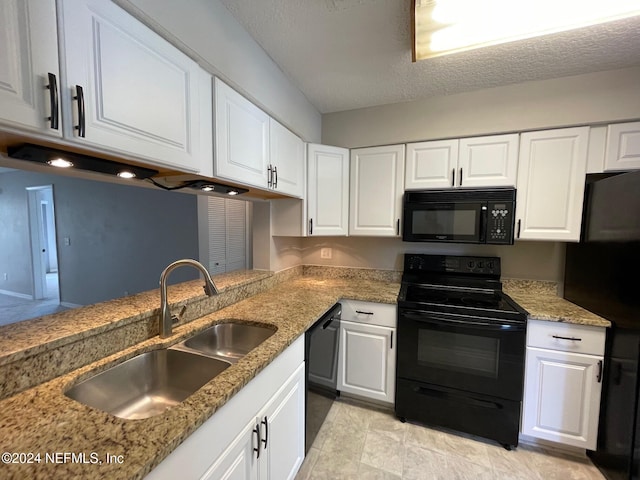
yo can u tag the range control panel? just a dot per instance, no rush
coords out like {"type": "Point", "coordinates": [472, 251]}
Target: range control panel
{"type": "Point", "coordinates": [500, 220]}
{"type": "Point", "coordinates": [416, 262]}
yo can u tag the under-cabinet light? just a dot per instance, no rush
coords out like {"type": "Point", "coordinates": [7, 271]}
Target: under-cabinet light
{"type": "Point", "coordinates": [60, 163]}
{"type": "Point", "coordinates": [60, 158]}
{"type": "Point", "coordinates": [126, 174]}
{"type": "Point", "coordinates": [209, 186]}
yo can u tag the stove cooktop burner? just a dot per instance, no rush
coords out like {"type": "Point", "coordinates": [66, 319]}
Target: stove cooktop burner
{"type": "Point", "coordinates": [492, 300]}
{"type": "Point", "coordinates": [485, 304]}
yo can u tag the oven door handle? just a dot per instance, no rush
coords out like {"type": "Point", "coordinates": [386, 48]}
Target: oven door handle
{"type": "Point", "coordinates": [424, 317]}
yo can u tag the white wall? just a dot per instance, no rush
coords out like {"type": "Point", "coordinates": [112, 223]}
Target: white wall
{"type": "Point", "coordinates": [530, 260]}
{"type": "Point", "coordinates": [207, 32]}
{"type": "Point", "coordinates": [608, 96]}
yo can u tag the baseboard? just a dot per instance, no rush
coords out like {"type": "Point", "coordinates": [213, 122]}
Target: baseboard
{"type": "Point", "coordinates": [549, 445]}
{"type": "Point", "coordinates": [16, 294]}
{"type": "Point", "coordinates": [70, 305]}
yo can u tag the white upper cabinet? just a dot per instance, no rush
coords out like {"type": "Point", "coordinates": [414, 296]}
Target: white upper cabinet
{"type": "Point", "coordinates": [623, 147]}
{"type": "Point", "coordinates": [287, 160]}
{"type": "Point", "coordinates": [328, 190]}
{"type": "Point", "coordinates": [128, 90]}
{"type": "Point", "coordinates": [489, 161]}
{"type": "Point", "coordinates": [431, 164]}
{"type": "Point", "coordinates": [28, 58]}
{"type": "Point", "coordinates": [376, 179]}
{"type": "Point", "coordinates": [551, 176]}
{"type": "Point", "coordinates": [241, 138]}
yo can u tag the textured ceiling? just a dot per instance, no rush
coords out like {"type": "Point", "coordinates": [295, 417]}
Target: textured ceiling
{"type": "Point", "coordinates": [346, 54]}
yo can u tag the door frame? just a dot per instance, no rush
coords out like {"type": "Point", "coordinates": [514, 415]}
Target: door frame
{"type": "Point", "coordinates": [37, 241]}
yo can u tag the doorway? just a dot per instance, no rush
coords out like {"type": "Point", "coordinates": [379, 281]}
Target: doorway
{"type": "Point", "coordinates": [44, 251]}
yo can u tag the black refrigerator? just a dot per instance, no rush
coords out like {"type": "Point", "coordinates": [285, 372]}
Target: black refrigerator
{"type": "Point", "coordinates": [602, 274]}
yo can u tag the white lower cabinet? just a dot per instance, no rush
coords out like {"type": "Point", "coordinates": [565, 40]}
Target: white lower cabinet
{"type": "Point", "coordinates": [238, 462]}
{"type": "Point", "coordinates": [367, 358]}
{"type": "Point", "coordinates": [258, 434]}
{"type": "Point", "coordinates": [563, 383]}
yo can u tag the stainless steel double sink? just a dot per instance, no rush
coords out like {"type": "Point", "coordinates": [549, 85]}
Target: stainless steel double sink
{"type": "Point", "coordinates": [149, 383]}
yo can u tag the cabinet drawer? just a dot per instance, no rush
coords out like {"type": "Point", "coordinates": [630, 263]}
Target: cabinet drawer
{"type": "Point", "coordinates": [566, 337]}
{"type": "Point", "coordinates": [382, 314]}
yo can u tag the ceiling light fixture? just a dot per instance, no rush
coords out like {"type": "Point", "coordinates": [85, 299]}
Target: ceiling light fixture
{"type": "Point", "coordinates": [60, 158]}
{"type": "Point", "coordinates": [442, 27]}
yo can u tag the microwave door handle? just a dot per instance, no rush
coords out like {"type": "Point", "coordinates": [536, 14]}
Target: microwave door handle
{"type": "Point", "coordinates": [483, 222]}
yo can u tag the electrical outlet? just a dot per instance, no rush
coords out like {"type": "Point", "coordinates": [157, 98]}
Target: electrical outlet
{"type": "Point", "coordinates": [6, 276]}
{"type": "Point", "coordinates": [325, 253]}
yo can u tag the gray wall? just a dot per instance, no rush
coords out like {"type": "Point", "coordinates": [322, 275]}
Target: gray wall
{"type": "Point", "coordinates": [610, 96]}
{"type": "Point", "coordinates": [121, 237]}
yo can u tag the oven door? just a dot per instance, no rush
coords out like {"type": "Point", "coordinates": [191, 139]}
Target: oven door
{"type": "Point", "coordinates": [461, 222]}
{"type": "Point", "coordinates": [460, 352]}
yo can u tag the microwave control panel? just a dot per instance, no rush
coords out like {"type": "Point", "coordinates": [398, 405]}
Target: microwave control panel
{"type": "Point", "coordinates": [500, 220]}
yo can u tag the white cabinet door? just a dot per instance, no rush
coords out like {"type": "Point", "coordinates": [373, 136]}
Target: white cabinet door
{"type": "Point", "coordinates": [431, 164]}
{"type": "Point", "coordinates": [490, 161]}
{"type": "Point", "coordinates": [226, 446]}
{"type": "Point", "coordinates": [141, 95]}
{"type": "Point", "coordinates": [328, 190]}
{"type": "Point", "coordinates": [239, 461]}
{"type": "Point", "coordinates": [28, 54]}
{"type": "Point", "coordinates": [282, 424]}
{"type": "Point", "coordinates": [551, 175]}
{"type": "Point", "coordinates": [367, 361]}
{"type": "Point", "coordinates": [562, 397]}
{"type": "Point", "coordinates": [623, 147]}
{"type": "Point", "coordinates": [376, 188]}
{"type": "Point", "coordinates": [242, 138]}
{"type": "Point", "coordinates": [287, 160]}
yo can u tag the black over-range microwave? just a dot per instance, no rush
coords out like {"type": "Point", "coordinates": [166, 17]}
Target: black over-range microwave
{"type": "Point", "coordinates": [461, 215]}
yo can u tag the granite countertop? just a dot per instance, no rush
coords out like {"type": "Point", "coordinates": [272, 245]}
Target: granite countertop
{"type": "Point", "coordinates": [540, 299]}
{"type": "Point", "coordinates": [41, 420]}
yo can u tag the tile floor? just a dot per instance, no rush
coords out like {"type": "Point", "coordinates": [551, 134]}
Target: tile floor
{"type": "Point", "coordinates": [359, 442]}
{"type": "Point", "coordinates": [14, 309]}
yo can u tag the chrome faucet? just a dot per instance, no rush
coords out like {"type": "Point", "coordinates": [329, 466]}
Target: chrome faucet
{"type": "Point", "coordinates": [166, 319]}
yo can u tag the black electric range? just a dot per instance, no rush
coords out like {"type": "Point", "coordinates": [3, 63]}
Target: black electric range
{"type": "Point", "coordinates": [461, 347]}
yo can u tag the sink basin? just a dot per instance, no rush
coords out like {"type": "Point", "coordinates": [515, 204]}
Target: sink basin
{"type": "Point", "coordinates": [228, 341]}
{"type": "Point", "coordinates": [148, 384]}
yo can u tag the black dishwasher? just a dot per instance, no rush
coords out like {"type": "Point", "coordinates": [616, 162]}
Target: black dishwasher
{"type": "Point", "coordinates": [321, 365]}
